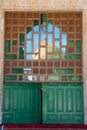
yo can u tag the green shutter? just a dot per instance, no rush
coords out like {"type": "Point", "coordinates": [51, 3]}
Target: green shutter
{"type": "Point", "coordinates": [63, 103]}
{"type": "Point", "coordinates": [21, 103]}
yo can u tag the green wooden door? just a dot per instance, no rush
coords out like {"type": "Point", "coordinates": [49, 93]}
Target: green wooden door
{"type": "Point", "coordinates": [21, 103]}
{"type": "Point", "coordinates": [63, 103]}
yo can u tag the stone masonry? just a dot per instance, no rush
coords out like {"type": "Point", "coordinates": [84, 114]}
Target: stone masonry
{"type": "Point", "coordinates": [45, 5]}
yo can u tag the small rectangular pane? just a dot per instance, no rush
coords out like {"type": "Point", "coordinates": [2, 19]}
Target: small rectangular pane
{"type": "Point", "coordinates": [50, 39]}
{"type": "Point", "coordinates": [18, 70]}
{"type": "Point", "coordinates": [21, 77]}
{"type": "Point", "coordinates": [53, 57]}
{"type": "Point", "coordinates": [78, 46]}
{"type": "Point", "coordinates": [29, 29]}
{"type": "Point", "coordinates": [29, 46]}
{"type": "Point", "coordinates": [64, 55]}
{"type": "Point", "coordinates": [14, 42]}
{"type": "Point", "coordinates": [49, 48]}
{"type": "Point", "coordinates": [50, 26]}
{"type": "Point", "coordinates": [42, 34]}
{"type": "Point", "coordinates": [43, 78]}
{"type": "Point", "coordinates": [21, 53]}
{"type": "Point", "coordinates": [53, 78]}
{"type": "Point", "coordinates": [43, 18]}
{"type": "Point", "coordinates": [71, 42]}
{"type": "Point", "coordinates": [22, 39]}
{"type": "Point", "coordinates": [57, 46]}
{"type": "Point", "coordinates": [64, 39]}
{"type": "Point", "coordinates": [7, 46]}
{"type": "Point", "coordinates": [64, 71]}
{"type": "Point", "coordinates": [56, 32]}
{"type": "Point", "coordinates": [27, 70]}
{"type": "Point", "coordinates": [36, 25]}
{"type": "Point", "coordinates": [75, 78]}
{"type": "Point", "coordinates": [32, 78]}
{"type": "Point", "coordinates": [10, 77]}
{"type": "Point", "coordinates": [74, 57]}
{"type": "Point", "coordinates": [64, 78]}
{"type": "Point", "coordinates": [36, 43]}
{"type": "Point", "coordinates": [42, 53]}
{"type": "Point", "coordinates": [29, 57]}
{"type": "Point", "coordinates": [10, 56]}
{"type": "Point", "coordinates": [29, 33]}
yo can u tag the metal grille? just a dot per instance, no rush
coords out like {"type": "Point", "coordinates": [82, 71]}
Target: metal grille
{"type": "Point", "coordinates": [43, 47]}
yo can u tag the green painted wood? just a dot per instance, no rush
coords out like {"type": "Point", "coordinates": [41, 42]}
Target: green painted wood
{"type": "Point", "coordinates": [21, 103]}
{"type": "Point", "coordinates": [63, 103]}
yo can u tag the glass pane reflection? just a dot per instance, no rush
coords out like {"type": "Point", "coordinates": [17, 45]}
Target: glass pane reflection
{"type": "Point", "coordinates": [64, 39]}
{"type": "Point", "coordinates": [64, 53]}
{"type": "Point", "coordinates": [56, 32]}
{"type": "Point", "coordinates": [57, 46]}
{"type": "Point", "coordinates": [29, 57]}
{"type": "Point", "coordinates": [42, 33]}
{"type": "Point", "coordinates": [43, 78]}
{"type": "Point", "coordinates": [53, 57]}
{"type": "Point", "coordinates": [29, 33]}
{"type": "Point", "coordinates": [29, 46]}
{"type": "Point", "coordinates": [32, 78]}
{"type": "Point", "coordinates": [27, 70]}
{"type": "Point", "coordinates": [36, 43]}
{"type": "Point", "coordinates": [36, 27]}
{"type": "Point", "coordinates": [21, 53]}
{"type": "Point", "coordinates": [50, 39]}
{"type": "Point", "coordinates": [53, 78]}
{"type": "Point", "coordinates": [50, 26]}
{"type": "Point", "coordinates": [42, 53]}
{"type": "Point", "coordinates": [22, 39]}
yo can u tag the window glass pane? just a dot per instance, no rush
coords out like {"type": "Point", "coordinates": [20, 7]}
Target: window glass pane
{"type": "Point", "coordinates": [64, 55]}
{"type": "Point", "coordinates": [42, 78]}
{"type": "Point", "coordinates": [50, 39]}
{"type": "Point", "coordinates": [64, 39]}
{"type": "Point", "coordinates": [27, 70]}
{"type": "Point", "coordinates": [74, 57]}
{"type": "Point", "coordinates": [14, 42]}
{"type": "Point", "coordinates": [21, 53]}
{"type": "Point", "coordinates": [32, 78]}
{"type": "Point", "coordinates": [7, 46]}
{"type": "Point", "coordinates": [36, 26]}
{"type": "Point", "coordinates": [18, 70]}
{"type": "Point", "coordinates": [50, 25]}
{"type": "Point", "coordinates": [49, 48]}
{"type": "Point", "coordinates": [78, 46]}
{"type": "Point", "coordinates": [64, 71]}
{"type": "Point", "coordinates": [71, 42]}
{"type": "Point", "coordinates": [21, 77]}
{"type": "Point", "coordinates": [36, 43]}
{"type": "Point", "coordinates": [53, 57]}
{"type": "Point", "coordinates": [10, 56]}
{"type": "Point", "coordinates": [56, 32]}
{"type": "Point", "coordinates": [53, 78]}
{"type": "Point", "coordinates": [57, 46]}
{"type": "Point", "coordinates": [10, 77]}
{"type": "Point", "coordinates": [29, 46]}
{"type": "Point", "coordinates": [22, 39]}
{"type": "Point", "coordinates": [43, 18]}
{"type": "Point", "coordinates": [29, 57]}
{"type": "Point", "coordinates": [42, 33]}
{"type": "Point", "coordinates": [64, 78]}
{"type": "Point", "coordinates": [75, 78]}
{"type": "Point", "coordinates": [29, 33]}
{"type": "Point", "coordinates": [42, 53]}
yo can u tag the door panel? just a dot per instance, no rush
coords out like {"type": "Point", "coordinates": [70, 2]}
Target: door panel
{"type": "Point", "coordinates": [63, 103]}
{"type": "Point", "coordinates": [21, 103]}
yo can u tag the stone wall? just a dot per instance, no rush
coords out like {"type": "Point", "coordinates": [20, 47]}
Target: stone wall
{"type": "Point", "coordinates": [44, 5]}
